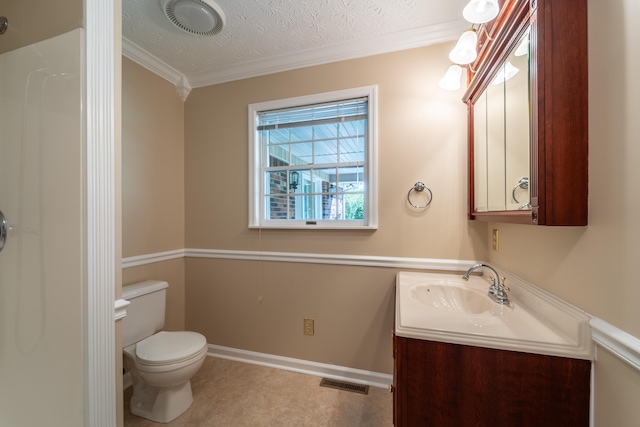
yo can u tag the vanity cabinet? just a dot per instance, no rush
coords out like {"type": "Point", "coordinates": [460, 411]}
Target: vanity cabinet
{"type": "Point", "coordinates": [450, 385]}
{"type": "Point", "coordinates": [552, 188]}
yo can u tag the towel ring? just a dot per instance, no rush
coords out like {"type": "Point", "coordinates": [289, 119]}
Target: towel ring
{"type": "Point", "coordinates": [522, 183]}
{"type": "Point", "coordinates": [419, 187]}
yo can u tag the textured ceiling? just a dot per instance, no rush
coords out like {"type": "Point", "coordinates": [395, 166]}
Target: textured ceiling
{"type": "Point", "coordinates": [262, 36]}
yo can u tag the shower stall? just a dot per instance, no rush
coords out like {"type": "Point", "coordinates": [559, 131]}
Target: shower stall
{"type": "Point", "coordinates": [54, 322]}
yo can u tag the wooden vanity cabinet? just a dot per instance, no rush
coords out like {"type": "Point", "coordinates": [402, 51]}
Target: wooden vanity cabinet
{"type": "Point", "coordinates": [449, 385]}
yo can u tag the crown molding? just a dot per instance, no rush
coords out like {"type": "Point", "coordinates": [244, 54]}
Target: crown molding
{"type": "Point", "coordinates": [401, 40]}
{"type": "Point", "coordinates": [157, 66]}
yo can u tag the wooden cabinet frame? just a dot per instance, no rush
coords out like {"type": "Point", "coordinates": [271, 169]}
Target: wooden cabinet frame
{"type": "Point", "coordinates": [558, 181]}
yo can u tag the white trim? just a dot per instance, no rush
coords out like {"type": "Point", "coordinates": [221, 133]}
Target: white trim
{"type": "Point", "coordinates": [335, 259]}
{"type": "Point", "coordinates": [137, 260]}
{"type": "Point", "coordinates": [145, 59]}
{"type": "Point", "coordinates": [373, 379]}
{"type": "Point", "coordinates": [617, 341]}
{"type": "Point", "coordinates": [157, 66]}
{"type": "Point", "coordinates": [256, 161]}
{"type": "Point", "coordinates": [120, 309]}
{"type": "Point", "coordinates": [397, 41]}
{"type": "Point", "coordinates": [99, 106]}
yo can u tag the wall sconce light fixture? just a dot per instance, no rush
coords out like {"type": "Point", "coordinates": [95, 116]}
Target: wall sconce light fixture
{"type": "Point", "coordinates": [294, 180]}
{"type": "Point", "coordinates": [481, 11]}
{"type": "Point", "coordinates": [451, 79]}
{"type": "Point", "coordinates": [477, 12]}
{"type": "Point", "coordinates": [465, 50]}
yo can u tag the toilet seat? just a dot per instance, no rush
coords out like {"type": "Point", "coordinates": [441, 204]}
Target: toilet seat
{"type": "Point", "coordinates": [166, 348]}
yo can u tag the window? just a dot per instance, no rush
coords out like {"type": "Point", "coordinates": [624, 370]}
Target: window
{"type": "Point", "coordinates": [313, 161]}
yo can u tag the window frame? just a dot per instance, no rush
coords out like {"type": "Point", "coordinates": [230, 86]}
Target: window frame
{"type": "Point", "coordinates": [256, 170]}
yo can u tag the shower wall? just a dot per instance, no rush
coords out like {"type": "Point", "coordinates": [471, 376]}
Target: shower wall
{"type": "Point", "coordinates": [41, 194]}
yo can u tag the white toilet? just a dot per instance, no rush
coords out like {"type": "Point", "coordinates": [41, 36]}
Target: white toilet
{"type": "Point", "coordinates": [161, 363]}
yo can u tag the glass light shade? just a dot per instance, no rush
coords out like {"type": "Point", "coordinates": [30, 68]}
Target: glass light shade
{"type": "Point", "coordinates": [465, 50]}
{"type": "Point", "coordinates": [451, 79]}
{"type": "Point", "coordinates": [481, 11]}
{"type": "Point", "coordinates": [505, 73]}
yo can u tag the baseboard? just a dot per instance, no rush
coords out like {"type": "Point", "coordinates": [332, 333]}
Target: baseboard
{"type": "Point", "coordinates": [373, 379]}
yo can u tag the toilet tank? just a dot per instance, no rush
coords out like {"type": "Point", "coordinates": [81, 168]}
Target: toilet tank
{"type": "Point", "coordinates": [145, 314]}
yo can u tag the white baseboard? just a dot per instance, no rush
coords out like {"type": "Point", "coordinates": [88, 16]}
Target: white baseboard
{"type": "Point", "coordinates": [373, 379]}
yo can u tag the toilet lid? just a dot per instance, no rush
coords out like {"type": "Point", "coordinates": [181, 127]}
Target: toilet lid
{"type": "Point", "coordinates": [169, 347]}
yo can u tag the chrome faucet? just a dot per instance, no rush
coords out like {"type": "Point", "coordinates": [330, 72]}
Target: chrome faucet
{"type": "Point", "coordinates": [497, 290]}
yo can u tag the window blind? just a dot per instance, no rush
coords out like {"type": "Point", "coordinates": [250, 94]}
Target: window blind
{"type": "Point", "coordinates": [310, 115]}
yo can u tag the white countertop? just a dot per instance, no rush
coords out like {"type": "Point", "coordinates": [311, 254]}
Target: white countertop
{"type": "Point", "coordinates": [536, 322]}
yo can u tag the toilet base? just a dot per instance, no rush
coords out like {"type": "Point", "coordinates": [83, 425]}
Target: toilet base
{"type": "Point", "coordinates": [161, 405]}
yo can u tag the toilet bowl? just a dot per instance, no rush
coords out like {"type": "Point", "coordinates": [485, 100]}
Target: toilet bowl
{"type": "Point", "coordinates": [160, 363]}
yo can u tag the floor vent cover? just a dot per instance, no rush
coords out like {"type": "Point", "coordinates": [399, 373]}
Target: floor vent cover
{"type": "Point", "coordinates": [342, 385]}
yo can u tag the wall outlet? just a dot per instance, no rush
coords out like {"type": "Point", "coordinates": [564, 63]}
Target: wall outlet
{"type": "Point", "coordinates": [496, 240]}
{"type": "Point", "coordinates": [308, 326]}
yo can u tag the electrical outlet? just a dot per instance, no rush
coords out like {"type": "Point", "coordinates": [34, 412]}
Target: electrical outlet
{"type": "Point", "coordinates": [308, 326]}
{"type": "Point", "coordinates": [496, 240]}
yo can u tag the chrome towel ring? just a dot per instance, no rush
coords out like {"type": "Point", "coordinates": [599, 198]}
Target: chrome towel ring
{"type": "Point", "coordinates": [419, 187]}
{"type": "Point", "coordinates": [522, 183]}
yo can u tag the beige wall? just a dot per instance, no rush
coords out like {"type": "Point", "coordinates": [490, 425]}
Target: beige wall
{"type": "Point", "coordinates": [152, 163]}
{"type": "Point", "coordinates": [420, 139]}
{"type": "Point", "coordinates": [260, 306]}
{"type": "Point", "coordinates": [153, 181]}
{"type": "Point", "coordinates": [36, 20]}
{"type": "Point", "coordinates": [595, 268]}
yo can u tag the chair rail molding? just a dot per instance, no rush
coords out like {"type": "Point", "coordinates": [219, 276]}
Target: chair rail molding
{"type": "Point", "coordinates": [622, 344]}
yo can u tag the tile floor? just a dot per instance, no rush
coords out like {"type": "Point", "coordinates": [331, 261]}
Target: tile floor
{"type": "Point", "coordinates": [234, 394]}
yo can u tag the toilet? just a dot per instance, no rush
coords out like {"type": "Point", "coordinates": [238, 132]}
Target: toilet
{"type": "Point", "coordinates": [160, 363]}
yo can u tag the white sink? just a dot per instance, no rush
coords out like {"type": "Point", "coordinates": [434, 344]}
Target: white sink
{"type": "Point", "coordinates": [451, 297]}
{"type": "Point", "coordinates": [446, 308]}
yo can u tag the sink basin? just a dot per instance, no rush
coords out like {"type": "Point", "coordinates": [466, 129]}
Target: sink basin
{"type": "Point", "coordinates": [451, 298]}
{"type": "Point", "coordinates": [446, 308]}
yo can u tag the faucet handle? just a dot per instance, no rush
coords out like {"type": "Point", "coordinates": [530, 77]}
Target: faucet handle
{"type": "Point", "coordinates": [504, 287]}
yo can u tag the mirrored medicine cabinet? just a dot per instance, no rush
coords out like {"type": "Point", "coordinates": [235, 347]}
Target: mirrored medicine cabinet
{"type": "Point", "coordinates": [527, 115]}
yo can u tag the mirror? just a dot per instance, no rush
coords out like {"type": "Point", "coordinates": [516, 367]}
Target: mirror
{"type": "Point", "coordinates": [502, 130]}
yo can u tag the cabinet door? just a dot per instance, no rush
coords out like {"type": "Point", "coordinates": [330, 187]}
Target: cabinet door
{"type": "Point", "coordinates": [450, 385]}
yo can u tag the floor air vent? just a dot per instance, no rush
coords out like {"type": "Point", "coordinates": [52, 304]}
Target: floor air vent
{"type": "Point", "coordinates": [342, 385]}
